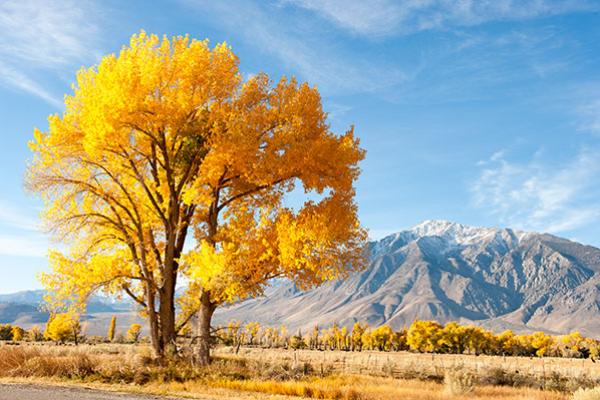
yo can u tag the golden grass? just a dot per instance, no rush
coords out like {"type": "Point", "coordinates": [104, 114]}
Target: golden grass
{"type": "Point", "coordinates": [519, 371]}
{"type": "Point", "coordinates": [277, 375]}
{"type": "Point", "coordinates": [587, 394]}
{"type": "Point", "coordinates": [358, 387]}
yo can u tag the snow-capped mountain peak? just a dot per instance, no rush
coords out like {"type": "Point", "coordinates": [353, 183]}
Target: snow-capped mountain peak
{"type": "Point", "coordinates": [453, 232]}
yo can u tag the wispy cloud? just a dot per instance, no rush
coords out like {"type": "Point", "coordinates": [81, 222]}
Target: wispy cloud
{"type": "Point", "coordinates": [539, 196]}
{"type": "Point", "coordinates": [38, 36]}
{"type": "Point", "coordinates": [485, 65]}
{"type": "Point", "coordinates": [20, 232]}
{"type": "Point", "coordinates": [18, 80]}
{"type": "Point", "coordinates": [299, 44]}
{"type": "Point", "coordinates": [14, 217]}
{"type": "Point", "coordinates": [23, 246]}
{"type": "Point", "coordinates": [589, 116]}
{"type": "Point", "coordinates": [391, 17]}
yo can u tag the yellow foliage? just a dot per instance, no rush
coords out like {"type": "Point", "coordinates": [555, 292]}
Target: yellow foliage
{"type": "Point", "coordinates": [541, 343]}
{"type": "Point", "coordinates": [164, 141]}
{"type": "Point", "coordinates": [62, 327]}
{"type": "Point", "coordinates": [18, 333]}
{"type": "Point", "coordinates": [252, 328]}
{"type": "Point", "coordinates": [111, 328]}
{"type": "Point", "coordinates": [423, 336]}
{"type": "Point", "coordinates": [133, 333]}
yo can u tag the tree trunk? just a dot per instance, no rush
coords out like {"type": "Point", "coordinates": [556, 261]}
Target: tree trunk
{"type": "Point", "coordinates": [155, 337]}
{"type": "Point", "coordinates": [167, 317]}
{"type": "Point", "coordinates": [207, 308]}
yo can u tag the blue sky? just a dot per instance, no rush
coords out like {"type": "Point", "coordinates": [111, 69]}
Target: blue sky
{"type": "Point", "coordinates": [484, 112]}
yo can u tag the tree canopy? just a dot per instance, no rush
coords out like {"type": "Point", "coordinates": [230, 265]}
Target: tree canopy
{"type": "Point", "coordinates": [167, 163]}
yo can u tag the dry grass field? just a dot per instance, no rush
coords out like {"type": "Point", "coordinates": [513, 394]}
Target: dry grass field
{"type": "Point", "coordinates": [255, 373]}
{"type": "Point", "coordinates": [406, 364]}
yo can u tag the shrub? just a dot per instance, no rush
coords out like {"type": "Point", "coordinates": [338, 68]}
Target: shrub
{"type": "Point", "coordinates": [458, 383]}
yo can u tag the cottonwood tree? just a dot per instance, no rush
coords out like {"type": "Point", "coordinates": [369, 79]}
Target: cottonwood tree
{"type": "Point", "coordinates": [166, 141]}
{"type": "Point", "coordinates": [134, 332]}
{"type": "Point", "coordinates": [62, 327]}
{"type": "Point", "coordinates": [112, 326]}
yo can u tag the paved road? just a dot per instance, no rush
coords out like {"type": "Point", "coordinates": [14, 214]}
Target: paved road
{"type": "Point", "coordinates": [37, 392]}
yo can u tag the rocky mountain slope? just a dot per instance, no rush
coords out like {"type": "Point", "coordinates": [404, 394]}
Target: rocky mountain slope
{"type": "Point", "coordinates": [498, 278]}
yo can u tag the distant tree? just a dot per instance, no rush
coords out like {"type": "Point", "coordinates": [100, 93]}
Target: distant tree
{"type": "Point", "coordinates": [314, 337]}
{"type": "Point", "coordinates": [356, 336]}
{"type": "Point", "coordinates": [572, 345]}
{"type": "Point", "coordinates": [344, 345]}
{"type": "Point", "coordinates": [111, 328]}
{"type": "Point", "coordinates": [6, 332]}
{"type": "Point", "coordinates": [252, 329]}
{"type": "Point", "coordinates": [284, 336]}
{"type": "Point", "coordinates": [63, 327]}
{"type": "Point", "coordinates": [133, 333]}
{"type": "Point", "coordinates": [399, 341]}
{"type": "Point", "coordinates": [297, 341]}
{"type": "Point", "coordinates": [423, 336]}
{"type": "Point", "coordinates": [478, 340]}
{"type": "Point", "coordinates": [542, 343]}
{"type": "Point", "coordinates": [233, 333]}
{"type": "Point", "coordinates": [18, 333]}
{"type": "Point", "coordinates": [382, 338]}
{"type": "Point", "coordinates": [35, 334]}
{"type": "Point", "coordinates": [507, 343]}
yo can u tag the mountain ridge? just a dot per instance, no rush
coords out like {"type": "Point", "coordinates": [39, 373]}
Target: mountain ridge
{"type": "Point", "coordinates": [441, 270]}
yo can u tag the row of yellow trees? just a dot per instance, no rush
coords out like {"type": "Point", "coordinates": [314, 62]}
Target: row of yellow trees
{"type": "Point", "coordinates": [420, 336]}
{"type": "Point", "coordinates": [62, 328]}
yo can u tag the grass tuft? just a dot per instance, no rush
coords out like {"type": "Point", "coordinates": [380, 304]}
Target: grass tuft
{"type": "Point", "coordinates": [587, 394]}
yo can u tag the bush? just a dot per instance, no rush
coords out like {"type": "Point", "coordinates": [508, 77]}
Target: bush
{"type": "Point", "coordinates": [458, 383]}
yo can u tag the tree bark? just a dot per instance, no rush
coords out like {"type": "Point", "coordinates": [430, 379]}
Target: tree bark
{"type": "Point", "coordinates": [167, 316]}
{"type": "Point", "coordinates": [155, 337]}
{"type": "Point", "coordinates": [207, 308]}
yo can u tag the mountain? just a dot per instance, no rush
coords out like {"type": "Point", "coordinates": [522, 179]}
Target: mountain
{"type": "Point", "coordinates": [21, 314]}
{"type": "Point", "coordinates": [497, 278]}
{"type": "Point", "coordinates": [30, 297]}
{"type": "Point", "coordinates": [25, 309]}
{"type": "Point", "coordinates": [96, 303]}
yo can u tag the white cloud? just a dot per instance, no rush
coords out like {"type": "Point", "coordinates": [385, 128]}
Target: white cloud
{"type": "Point", "coordinates": [13, 217]}
{"type": "Point", "coordinates": [43, 35]}
{"type": "Point", "coordinates": [23, 246]}
{"type": "Point", "coordinates": [20, 81]}
{"type": "Point", "coordinates": [589, 116]}
{"type": "Point", "coordinates": [300, 44]}
{"type": "Point", "coordinates": [536, 196]}
{"type": "Point", "coordinates": [20, 232]}
{"type": "Point", "coordinates": [389, 17]}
